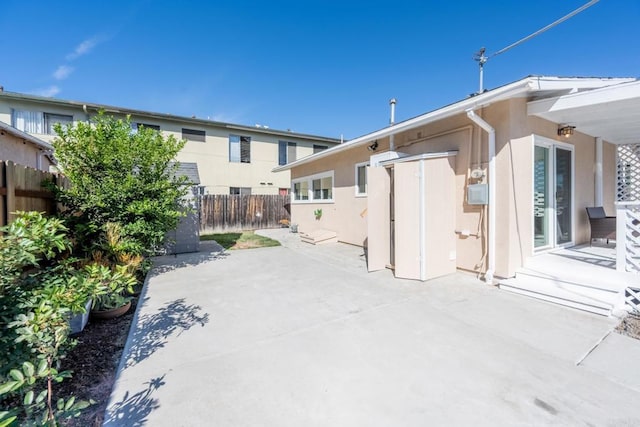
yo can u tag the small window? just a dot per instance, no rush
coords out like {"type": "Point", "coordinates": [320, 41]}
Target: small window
{"type": "Point", "coordinates": [361, 179]}
{"type": "Point", "coordinates": [318, 148]}
{"type": "Point", "coordinates": [301, 190]}
{"type": "Point", "coordinates": [194, 135]}
{"type": "Point", "coordinates": [50, 121]}
{"type": "Point", "coordinates": [323, 188]}
{"type": "Point", "coordinates": [137, 126]}
{"type": "Point", "coordinates": [286, 152]}
{"type": "Point", "coordinates": [239, 149]}
{"type": "Point", "coordinates": [240, 191]}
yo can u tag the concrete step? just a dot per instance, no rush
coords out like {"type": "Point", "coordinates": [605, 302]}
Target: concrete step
{"type": "Point", "coordinates": [317, 237]}
{"type": "Point", "coordinates": [580, 268]}
{"type": "Point", "coordinates": [567, 294]}
{"type": "Point", "coordinates": [589, 284]}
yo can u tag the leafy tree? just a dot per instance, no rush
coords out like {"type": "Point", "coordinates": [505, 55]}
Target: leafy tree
{"type": "Point", "coordinates": [122, 176]}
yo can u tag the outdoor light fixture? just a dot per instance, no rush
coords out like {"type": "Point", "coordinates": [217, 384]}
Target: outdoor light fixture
{"type": "Point", "coordinates": [566, 131]}
{"type": "Point", "coordinates": [373, 146]}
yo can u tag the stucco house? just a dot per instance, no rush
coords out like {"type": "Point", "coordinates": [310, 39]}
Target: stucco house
{"type": "Point", "coordinates": [488, 185]}
{"type": "Point", "coordinates": [230, 158]}
{"type": "Point", "coordinates": [25, 149]}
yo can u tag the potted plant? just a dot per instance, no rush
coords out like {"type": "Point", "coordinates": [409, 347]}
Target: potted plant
{"type": "Point", "coordinates": [113, 290]}
{"type": "Point", "coordinates": [318, 214]}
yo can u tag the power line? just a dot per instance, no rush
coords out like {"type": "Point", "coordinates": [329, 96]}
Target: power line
{"type": "Point", "coordinates": [482, 58]}
{"type": "Point", "coordinates": [548, 27]}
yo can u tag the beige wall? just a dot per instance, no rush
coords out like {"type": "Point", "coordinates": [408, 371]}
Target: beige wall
{"type": "Point", "coordinates": [217, 174]}
{"type": "Point", "coordinates": [514, 160]}
{"type": "Point", "coordinates": [514, 183]}
{"type": "Point", "coordinates": [22, 152]}
{"type": "Point", "coordinates": [347, 215]}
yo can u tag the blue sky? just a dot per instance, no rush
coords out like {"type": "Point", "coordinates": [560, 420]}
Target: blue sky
{"type": "Point", "coordinates": [319, 67]}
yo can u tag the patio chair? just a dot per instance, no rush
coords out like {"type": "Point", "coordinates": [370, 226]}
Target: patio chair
{"type": "Point", "coordinates": [602, 226]}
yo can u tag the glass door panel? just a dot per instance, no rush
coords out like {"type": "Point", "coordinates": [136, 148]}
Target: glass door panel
{"type": "Point", "coordinates": [541, 197]}
{"type": "Point", "coordinates": [563, 186]}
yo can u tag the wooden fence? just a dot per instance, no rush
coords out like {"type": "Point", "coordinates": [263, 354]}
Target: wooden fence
{"type": "Point", "coordinates": [21, 190]}
{"type": "Point", "coordinates": [223, 213]}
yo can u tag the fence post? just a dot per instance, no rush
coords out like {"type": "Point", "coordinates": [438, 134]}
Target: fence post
{"type": "Point", "coordinates": [10, 185]}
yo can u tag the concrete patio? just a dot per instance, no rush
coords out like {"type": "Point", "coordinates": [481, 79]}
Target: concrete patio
{"type": "Point", "coordinates": [301, 335]}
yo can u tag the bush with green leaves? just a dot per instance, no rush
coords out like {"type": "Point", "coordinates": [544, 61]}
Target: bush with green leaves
{"type": "Point", "coordinates": [40, 287]}
{"type": "Point", "coordinates": [122, 176]}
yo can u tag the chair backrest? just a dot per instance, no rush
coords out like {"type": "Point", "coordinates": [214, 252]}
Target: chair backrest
{"type": "Point", "coordinates": [596, 212]}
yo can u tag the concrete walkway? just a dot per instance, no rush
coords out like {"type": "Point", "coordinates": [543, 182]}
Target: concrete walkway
{"type": "Point", "coordinates": [301, 335]}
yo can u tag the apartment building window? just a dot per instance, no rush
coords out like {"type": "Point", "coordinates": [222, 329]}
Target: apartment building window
{"type": "Point", "coordinates": [361, 179]}
{"type": "Point", "coordinates": [319, 148]}
{"type": "Point", "coordinates": [286, 152]}
{"type": "Point", "coordinates": [316, 188]}
{"type": "Point", "coordinates": [38, 122]}
{"type": "Point", "coordinates": [194, 135]}
{"type": "Point", "coordinates": [136, 126]}
{"type": "Point", "coordinates": [240, 191]}
{"type": "Point", "coordinates": [239, 149]}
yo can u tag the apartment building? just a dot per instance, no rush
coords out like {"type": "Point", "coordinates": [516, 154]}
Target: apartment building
{"type": "Point", "coordinates": [230, 158]}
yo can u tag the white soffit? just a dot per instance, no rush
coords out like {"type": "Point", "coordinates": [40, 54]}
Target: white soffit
{"type": "Point", "coordinates": [612, 113]}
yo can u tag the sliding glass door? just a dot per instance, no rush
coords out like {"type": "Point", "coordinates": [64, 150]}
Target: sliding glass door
{"type": "Point", "coordinates": [553, 176]}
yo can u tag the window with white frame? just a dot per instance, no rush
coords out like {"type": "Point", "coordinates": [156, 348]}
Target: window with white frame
{"type": "Point", "coordinates": [361, 179]}
{"type": "Point", "coordinates": [39, 122]}
{"type": "Point", "coordinates": [239, 149]}
{"type": "Point", "coordinates": [314, 188]}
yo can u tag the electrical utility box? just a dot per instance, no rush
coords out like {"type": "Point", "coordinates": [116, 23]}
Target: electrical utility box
{"type": "Point", "coordinates": [477, 194]}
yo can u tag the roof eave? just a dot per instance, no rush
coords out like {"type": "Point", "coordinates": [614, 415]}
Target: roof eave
{"type": "Point", "coordinates": [517, 88]}
{"type": "Point", "coordinates": [32, 139]}
{"type": "Point", "coordinates": [165, 116]}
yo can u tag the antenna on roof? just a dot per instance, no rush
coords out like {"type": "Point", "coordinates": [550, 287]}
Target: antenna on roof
{"type": "Point", "coordinates": [482, 58]}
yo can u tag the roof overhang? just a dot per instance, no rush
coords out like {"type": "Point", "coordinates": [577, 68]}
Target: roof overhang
{"type": "Point", "coordinates": [528, 87]}
{"type": "Point", "coordinates": [89, 107]}
{"type": "Point", "coordinates": [43, 145]}
{"type": "Point", "coordinates": [612, 113]}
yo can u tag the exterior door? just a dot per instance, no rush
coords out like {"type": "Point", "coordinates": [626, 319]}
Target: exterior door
{"type": "Point", "coordinates": [378, 219]}
{"type": "Point", "coordinates": [553, 188]}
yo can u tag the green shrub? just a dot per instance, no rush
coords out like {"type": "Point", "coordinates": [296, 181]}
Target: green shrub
{"type": "Point", "coordinates": [119, 176]}
{"type": "Point", "coordinates": [40, 286]}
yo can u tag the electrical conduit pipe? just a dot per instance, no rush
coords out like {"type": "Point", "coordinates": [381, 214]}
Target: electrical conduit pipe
{"type": "Point", "coordinates": [491, 132]}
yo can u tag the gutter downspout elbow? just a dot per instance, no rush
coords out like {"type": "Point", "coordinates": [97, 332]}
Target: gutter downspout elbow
{"type": "Point", "coordinates": [491, 132]}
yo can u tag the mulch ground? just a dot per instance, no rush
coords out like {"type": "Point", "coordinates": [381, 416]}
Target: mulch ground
{"type": "Point", "coordinates": [94, 362]}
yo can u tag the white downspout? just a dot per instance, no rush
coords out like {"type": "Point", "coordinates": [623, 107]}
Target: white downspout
{"type": "Point", "coordinates": [598, 199]}
{"type": "Point", "coordinates": [491, 265]}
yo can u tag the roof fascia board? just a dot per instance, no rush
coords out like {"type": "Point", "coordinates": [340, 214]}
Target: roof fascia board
{"type": "Point", "coordinates": [566, 83]}
{"type": "Point", "coordinates": [511, 90]}
{"type": "Point", "coordinates": [602, 95]}
{"type": "Point", "coordinates": [518, 88]}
